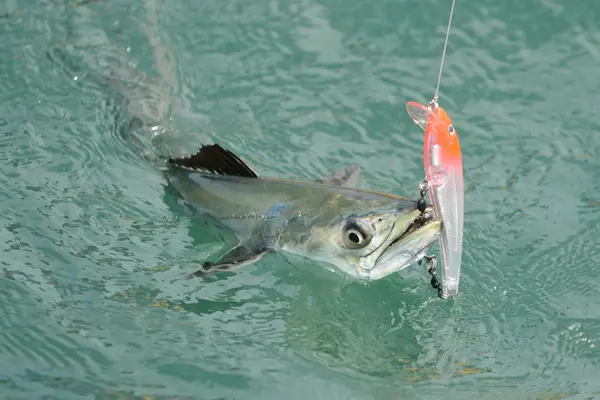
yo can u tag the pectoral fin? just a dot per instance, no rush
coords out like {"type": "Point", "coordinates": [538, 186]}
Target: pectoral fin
{"type": "Point", "coordinates": [347, 177]}
{"type": "Point", "coordinates": [238, 257]}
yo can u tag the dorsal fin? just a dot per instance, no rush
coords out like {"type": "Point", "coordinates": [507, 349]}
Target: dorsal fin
{"type": "Point", "coordinates": [215, 159]}
{"type": "Point", "coordinates": [347, 177]}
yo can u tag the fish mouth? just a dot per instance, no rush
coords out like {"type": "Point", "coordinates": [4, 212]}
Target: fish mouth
{"type": "Point", "coordinates": [421, 221]}
{"type": "Point", "coordinates": [407, 248]}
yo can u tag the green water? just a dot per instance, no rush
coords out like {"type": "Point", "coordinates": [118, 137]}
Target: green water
{"type": "Point", "coordinates": [93, 303]}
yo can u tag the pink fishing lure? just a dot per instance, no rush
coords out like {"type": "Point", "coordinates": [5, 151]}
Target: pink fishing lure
{"type": "Point", "coordinates": [442, 159]}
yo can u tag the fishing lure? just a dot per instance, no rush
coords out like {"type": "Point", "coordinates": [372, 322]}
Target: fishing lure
{"type": "Point", "coordinates": [442, 160]}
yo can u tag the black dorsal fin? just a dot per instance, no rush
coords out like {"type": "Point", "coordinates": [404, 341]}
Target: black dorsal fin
{"type": "Point", "coordinates": [215, 159]}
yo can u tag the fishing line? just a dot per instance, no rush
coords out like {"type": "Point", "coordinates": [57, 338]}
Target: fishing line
{"type": "Point", "coordinates": [437, 89]}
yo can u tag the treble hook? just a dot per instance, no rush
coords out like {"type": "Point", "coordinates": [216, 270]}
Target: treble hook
{"type": "Point", "coordinates": [430, 265]}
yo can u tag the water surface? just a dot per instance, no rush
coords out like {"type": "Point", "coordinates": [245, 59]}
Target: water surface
{"type": "Point", "coordinates": [93, 303]}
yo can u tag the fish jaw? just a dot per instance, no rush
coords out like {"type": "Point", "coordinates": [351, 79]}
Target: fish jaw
{"type": "Point", "coordinates": [405, 249]}
{"type": "Point", "coordinates": [401, 224]}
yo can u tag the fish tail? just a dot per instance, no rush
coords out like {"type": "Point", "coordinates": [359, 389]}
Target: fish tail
{"type": "Point", "coordinates": [138, 106]}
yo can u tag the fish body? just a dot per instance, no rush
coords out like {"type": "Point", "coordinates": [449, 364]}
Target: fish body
{"type": "Point", "coordinates": [361, 234]}
{"type": "Point", "coordinates": [442, 161]}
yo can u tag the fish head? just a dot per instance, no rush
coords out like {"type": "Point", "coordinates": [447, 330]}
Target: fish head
{"type": "Point", "coordinates": [374, 243]}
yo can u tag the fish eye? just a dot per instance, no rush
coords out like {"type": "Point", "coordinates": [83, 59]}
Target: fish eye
{"type": "Point", "coordinates": [451, 129]}
{"type": "Point", "coordinates": [354, 236]}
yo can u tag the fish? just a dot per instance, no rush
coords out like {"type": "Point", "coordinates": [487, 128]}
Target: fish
{"type": "Point", "coordinates": [360, 234]}
{"type": "Point", "coordinates": [357, 233]}
{"type": "Point", "coordinates": [442, 161]}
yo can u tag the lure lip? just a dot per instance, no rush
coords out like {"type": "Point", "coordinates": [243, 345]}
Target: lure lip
{"type": "Point", "coordinates": [419, 113]}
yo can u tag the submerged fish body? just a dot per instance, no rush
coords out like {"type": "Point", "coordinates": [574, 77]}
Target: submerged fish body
{"type": "Point", "coordinates": [361, 234]}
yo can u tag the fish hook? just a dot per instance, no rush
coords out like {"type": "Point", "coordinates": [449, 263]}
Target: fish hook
{"type": "Point", "coordinates": [430, 261]}
{"type": "Point", "coordinates": [430, 265]}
